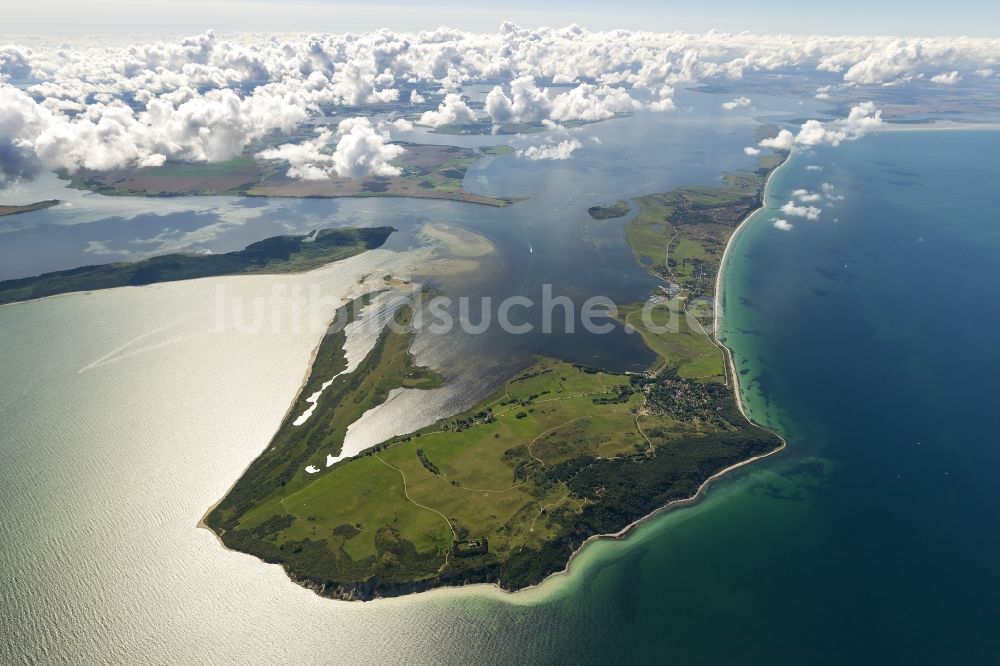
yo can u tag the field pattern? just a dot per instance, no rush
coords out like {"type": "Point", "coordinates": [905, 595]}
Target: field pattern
{"type": "Point", "coordinates": [428, 171]}
{"type": "Point", "coordinates": [502, 493]}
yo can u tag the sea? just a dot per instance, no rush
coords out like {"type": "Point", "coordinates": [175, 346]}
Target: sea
{"type": "Point", "coordinates": [863, 336]}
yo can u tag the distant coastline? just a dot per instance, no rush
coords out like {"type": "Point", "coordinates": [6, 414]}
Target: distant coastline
{"type": "Point", "coordinates": [27, 208]}
{"type": "Point", "coordinates": [278, 254]}
{"type": "Point", "coordinates": [425, 172]}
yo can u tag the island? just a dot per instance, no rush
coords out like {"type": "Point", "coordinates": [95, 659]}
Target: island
{"type": "Point", "coordinates": [426, 172]}
{"type": "Point", "coordinates": [507, 491]}
{"type": "Point", "coordinates": [14, 210]}
{"type": "Point", "coordinates": [278, 254]}
{"type": "Point", "coordinates": [619, 208]}
{"type": "Point", "coordinates": [487, 127]}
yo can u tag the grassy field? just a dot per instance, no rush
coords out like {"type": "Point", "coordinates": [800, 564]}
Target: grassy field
{"type": "Point", "coordinates": [428, 171]}
{"type": "Point", "coordinates": [501, 493]}
{"type": "Point", "coordinates": [506, 491]}
{"type": "Point", "coordinates": [685, 349]}
{"type": "Point", "coordinates": [282, 468]}
{"type": "Point", "coordinates": [279, 254]}
{"type": "Point", "coordinates": [680, 235]}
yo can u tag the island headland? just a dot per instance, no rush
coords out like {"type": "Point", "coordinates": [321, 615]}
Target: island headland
{"type": "Point", "coordinates": [506, 492]}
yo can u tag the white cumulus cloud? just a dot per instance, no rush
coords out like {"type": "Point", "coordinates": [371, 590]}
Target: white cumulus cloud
{"type": "Point", "coordinates": [452, 111]}
{"type": "Point", "coordinates": [551, 151]}
{"type": "Point", "coordinates": [806, 196]}
{"type": "Point", "coordinates": [862, 119]}
{"type": "Point", "coordinates": [529, 103]}
{"type": "Point", "coordinates": [360, 151]}
{"type": "Point", "coordinates": [736, 103]}
{"type": "Point", "coordinates": [808, 212]}
{"type": "Point", "coordinates": [946, 78]}
{"type": "Point", "coordinates": [102, 104]}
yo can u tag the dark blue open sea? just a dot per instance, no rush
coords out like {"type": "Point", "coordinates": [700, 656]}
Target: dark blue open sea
{"type": "Point", "coordinates": [868, 338]}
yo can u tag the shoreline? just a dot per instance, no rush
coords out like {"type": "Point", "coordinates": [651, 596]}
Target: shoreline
{"type": "Point", "coordinates": [940, 126]}
{"type": "Point", "coordinates": [305, 381]}
{"type": "Point", "coordinates": [201, 524]}
{"type": "Point", "coordinates": [718, 300]}
{"type": "Point", "coordinates": [626, 531]}
{"type": "Point", "coordinates": [566, 572]}
{"type": "Point", "coordinates": [477, 199]}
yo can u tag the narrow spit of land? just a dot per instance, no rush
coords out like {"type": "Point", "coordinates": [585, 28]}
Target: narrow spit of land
{"type": "Point", "coordinates": [279, 254]}
{"type": "Point", "coordinates": [27, 208]}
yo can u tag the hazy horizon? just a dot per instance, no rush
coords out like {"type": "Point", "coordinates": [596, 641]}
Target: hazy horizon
{"type": "Point", "coordinates": [852, 17]}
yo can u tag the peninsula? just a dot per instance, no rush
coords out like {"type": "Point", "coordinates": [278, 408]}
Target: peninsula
{"type": "Point", "coordinates": [507, 491]}
{"type": "Point", "coordinates": [38, 205]}
{"type": "Point", "coordinates": [279, 254]}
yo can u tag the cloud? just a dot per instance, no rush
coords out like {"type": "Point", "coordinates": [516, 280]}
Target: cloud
{"type": "Point", "coordinates": [216, 125]}
{"type": "Point", "coordinates": [665, 102]}
{"type": "Point", "coordinates": [828, 193]}
{"type": "Point", "coordinates": [361, 151]}
{"type": "Point", "coordinates": [15, 62]}
{"type": "Point", "coordinates": [784, 140]}
{"type": "Point", "coordinates": [806, 196]}
{"type": "Point", "coordinates": [862, 119]}
{"type": "Point", "coordinates": [893, 59]}
{"type": "Point", "coordinates": [751, 151]}
{"type": "Point", "coordinates": [551, 151]}
{"type": "Point", "coordinates": [589, 102]}
{"type": "Point", "coordinates": [784, 225]}
{"type": "Point", "coordinates": [947, 79]}
{"type": "Point", "coordinates": [452, 111]}
{"type": "Point", "coordinates": [738, 102]}
{"type": "Point", "coordinates": [102, 104]}
{"type": "Point", "coordinates": [367, 65]}
{"type": "Point", "coordinates": [808, 212]}
{"type": "Point", "coordinates": [529, 103]}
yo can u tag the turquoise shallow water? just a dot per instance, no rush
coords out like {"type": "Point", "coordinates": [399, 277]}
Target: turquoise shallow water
{"type": "Point", "coordinates": [865, 337]}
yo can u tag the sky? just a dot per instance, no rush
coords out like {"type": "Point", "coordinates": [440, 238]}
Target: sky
{"type": "Point", "coordinates": [174, 83]}
{"type": "Point", "coordinates": [849, 17]}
